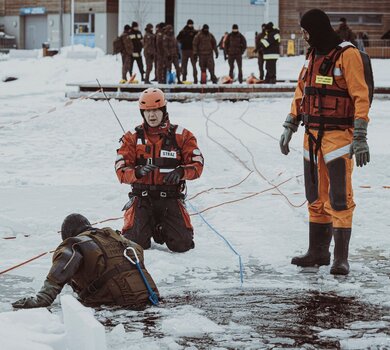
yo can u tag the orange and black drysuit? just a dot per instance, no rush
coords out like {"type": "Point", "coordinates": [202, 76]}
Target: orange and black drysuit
{"type": "Point", "coordinates": [333, 90]}
{"type": "Point", "coordinates": [155, 209]}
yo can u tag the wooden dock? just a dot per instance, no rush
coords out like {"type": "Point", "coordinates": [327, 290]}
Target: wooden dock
{"type": "Point", "coordinates": [191, 92]}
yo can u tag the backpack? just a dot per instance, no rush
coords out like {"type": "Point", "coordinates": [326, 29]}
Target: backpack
{"type": "Point", "coordinates": [118, 46]}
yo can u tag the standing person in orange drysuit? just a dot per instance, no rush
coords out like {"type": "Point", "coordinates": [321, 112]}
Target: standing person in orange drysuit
{"type": "Point", "coordinates": [156, 159]}
{"type": "Point", "coordinates": [332, 99]}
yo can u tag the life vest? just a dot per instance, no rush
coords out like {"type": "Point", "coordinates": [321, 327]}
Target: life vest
{"type": "Point", "coordinates": [326, 104]}
{"type": "Point", "coordinates": [106, 276]}
{"type": "Point", "coordinates": [166, 153]}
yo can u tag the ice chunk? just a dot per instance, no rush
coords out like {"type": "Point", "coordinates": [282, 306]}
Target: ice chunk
{"type": "Point", "coordinates": [84, 332]}
{"type": "Point", "coordinates": [18, 332]}
{"type": "Point", "coordinates": [190, 325]}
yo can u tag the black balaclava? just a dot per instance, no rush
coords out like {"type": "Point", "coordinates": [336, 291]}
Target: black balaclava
{"type": "Point", "coordinates": [73, 225]}
{"type": "Point", "coordinates": [205, 29]}
{"type": "Point", "coordinates": [322, 36]}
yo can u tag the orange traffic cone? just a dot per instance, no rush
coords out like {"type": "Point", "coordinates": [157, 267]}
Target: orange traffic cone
{"type": "Point", "coordinates": [225, 80]}
{"type": "Point", "coordinates": [132, 78]}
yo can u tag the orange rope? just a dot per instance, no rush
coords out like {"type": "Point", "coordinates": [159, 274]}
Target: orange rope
{"type": "Point", "coordinates": [242, 198]}
{"type": "Point", "coordinates": [25, 262]}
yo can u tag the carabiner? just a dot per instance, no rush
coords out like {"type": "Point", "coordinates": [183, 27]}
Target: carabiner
{"type": "Point", "coordinates": [130, 259]}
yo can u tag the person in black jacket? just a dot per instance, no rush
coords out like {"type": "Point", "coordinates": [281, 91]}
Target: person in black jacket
{"type": "Point", "coordinates": [270, 44]}
{"type": "Point", "coordinates": [235, 47]}
{"type": "Point", "coordinates": [259, 50]}
{"type": "Point", "coordinates": [185, 38]}
{"type": "Point", "coordinates": [136, 38]}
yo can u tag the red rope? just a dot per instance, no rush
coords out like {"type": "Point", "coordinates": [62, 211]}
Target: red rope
{"type": "Point", "coordinates": [24, 263]}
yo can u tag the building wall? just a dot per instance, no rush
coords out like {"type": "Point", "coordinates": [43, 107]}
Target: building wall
{"type": "Point", "coordinates": [141, 11]}
{"type": "Point", "coordinates": [14, 26]}
{"type": "Point", "coordinates": [290, 12]}
{"type": "Point", "coordinates": [112, 31]}
{"type": "Point", "coordinates": [53, 23]}
{"type": "Point", "coordinates": [220, 15]}
{"type": "Point", "coordinates": [100, 31]}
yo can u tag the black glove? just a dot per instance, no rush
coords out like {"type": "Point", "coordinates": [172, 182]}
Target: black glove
{"type": "Point", "coordinates": [216, 54]}
{"type": "Point", "coordinates": [174, 177]}
{"type": "Point", "coordinates": [143, 170]}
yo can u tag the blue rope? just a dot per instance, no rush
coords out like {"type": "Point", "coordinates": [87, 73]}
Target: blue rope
{"type": "Point", "coordinates": [152, 295]}
{"type": "Point", "coordinates": [226, 241]}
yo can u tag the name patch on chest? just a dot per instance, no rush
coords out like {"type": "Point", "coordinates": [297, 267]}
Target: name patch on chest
{"type": "Point", "coordinates": [168, 154]}
{"type": "Point", "coordinates": [321, 79]}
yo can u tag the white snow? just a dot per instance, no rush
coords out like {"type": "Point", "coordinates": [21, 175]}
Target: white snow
{"type": "Point", "coordinates": [62, 161]}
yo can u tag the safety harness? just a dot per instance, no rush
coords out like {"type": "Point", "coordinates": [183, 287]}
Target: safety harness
{"type": "Point", "coordinates": [323, 122]}
{"type": "Point", "coordinates": [169, 143]}
{"type": "Point", "coordinates": [99, 283]}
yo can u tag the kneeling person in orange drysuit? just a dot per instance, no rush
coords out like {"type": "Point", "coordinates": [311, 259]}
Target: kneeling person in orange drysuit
{"type": "Point", "coordinates": [156, 159]}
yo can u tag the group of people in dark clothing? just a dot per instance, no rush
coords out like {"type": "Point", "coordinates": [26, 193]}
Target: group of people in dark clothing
{"type": "Point", "coordinates": [163, 50]}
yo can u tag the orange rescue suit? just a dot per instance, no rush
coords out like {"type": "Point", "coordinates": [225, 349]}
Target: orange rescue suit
{"type": "Point", "coordinates": [166, 147]}
{"type": "Point", "coordinates": [328, 104]}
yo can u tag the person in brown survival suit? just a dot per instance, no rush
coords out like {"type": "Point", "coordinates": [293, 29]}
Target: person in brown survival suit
{"type": "Point", "coordinates": [149, 50]}
{"type": "Point", "coordinates": [126, 53]}
{"type": "Point", "coordinates": [345, 33]}
{"type": "Point", "coordinates": [92, 261]}
{"type": "Point", "coordinates": [171, 51]}
{"type": "Point", "coordinates": [204, 45]}
{"type": "Point", "coordinates": [186, 38]}
{"type": "Point", "coordinates": [156, 159]}
{"type": "Point", "coordinates": [235, 47]}
{"type": "Point", "coordinates": [332, 98]}
{"type": "Point", "coordinates": [160, 62]}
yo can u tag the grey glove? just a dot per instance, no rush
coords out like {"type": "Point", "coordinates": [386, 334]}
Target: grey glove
{"type": "Point", "coordinates": [290, 126]}
{"type": "Point", "coordinates": [44, 297]}
{"type": "Point", "coordinates": [359, 145]}
{"type": "Point", "coordinates": [143, 170]}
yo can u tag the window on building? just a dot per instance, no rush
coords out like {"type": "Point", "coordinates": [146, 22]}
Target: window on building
{"type": "Point", "coordinates": [84, 23]}
{"type": "Point", "coordinates": [356, 18]}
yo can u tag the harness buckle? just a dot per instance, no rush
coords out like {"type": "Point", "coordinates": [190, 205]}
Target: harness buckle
{"type": "Point", "coordinates": [163, 194]}
{"type": "Point", "coordinates": [144, 193]}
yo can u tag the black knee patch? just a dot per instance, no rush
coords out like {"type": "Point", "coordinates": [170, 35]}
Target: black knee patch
{"type": "Point", "coordinates": [338, 184]}
{"type": "Point", "coordinates": [311, 186]}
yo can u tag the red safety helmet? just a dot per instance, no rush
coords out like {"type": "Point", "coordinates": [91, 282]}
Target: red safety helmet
{"type": "Point", "coordinates": [151, 98]}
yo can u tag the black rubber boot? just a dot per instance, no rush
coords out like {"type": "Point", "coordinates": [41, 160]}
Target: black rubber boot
{"type": "Point", "coordinates": [340, 264]}
{"type": "Point", "coordinates": [320, 236]}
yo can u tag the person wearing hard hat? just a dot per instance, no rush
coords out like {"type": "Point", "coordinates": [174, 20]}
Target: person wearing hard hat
{"type": "Point", "coordinates": [156, 159]}
{"type": "Point", "coordinates": [99, 264]}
